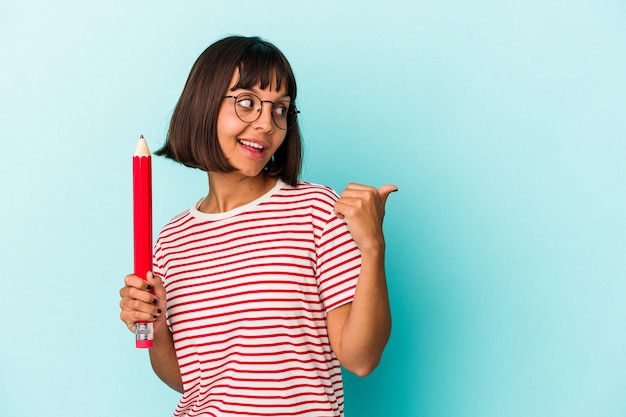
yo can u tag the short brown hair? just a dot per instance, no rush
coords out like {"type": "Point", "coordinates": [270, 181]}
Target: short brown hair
{"type": "Point", "coordinates": [192, 136]}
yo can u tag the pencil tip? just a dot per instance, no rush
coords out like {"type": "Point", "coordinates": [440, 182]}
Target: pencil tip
{"type": "Point", "coordinates": [141, 137]}
{"type": "Point", "coordinates": [142, 148]}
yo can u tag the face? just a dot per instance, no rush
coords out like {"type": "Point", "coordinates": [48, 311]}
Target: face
{"type": "Point", "coordinates": [249, 146]}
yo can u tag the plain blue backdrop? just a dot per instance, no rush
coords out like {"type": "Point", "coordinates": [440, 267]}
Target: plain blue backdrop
{"type": "Point", "coordinates": [502, 122]}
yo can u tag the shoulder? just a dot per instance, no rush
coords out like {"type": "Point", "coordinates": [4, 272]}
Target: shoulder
{"type": "Point", "coordinates": [179, 224]}
{"type": "Point", "coordinates": [306, 195]}
{"type": "Point", "coordinates": [310, 190]}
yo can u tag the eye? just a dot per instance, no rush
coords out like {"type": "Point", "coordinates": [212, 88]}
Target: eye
{"type": "Point", "coordinates": [246, 103]}
{"type": "Point", "coordinates": [281, 108]}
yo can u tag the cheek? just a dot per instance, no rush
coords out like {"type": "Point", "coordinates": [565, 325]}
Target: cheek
{"type": "Point", "coordinates": [280, 139]}
{"type": "Point", "coordinates": [228, 126]}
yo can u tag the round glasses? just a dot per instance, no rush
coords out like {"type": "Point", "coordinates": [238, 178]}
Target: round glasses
{"type": "Point", "coordinates": [248, 108]}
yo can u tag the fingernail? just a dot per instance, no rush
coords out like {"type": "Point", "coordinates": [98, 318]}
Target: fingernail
{"type": "Point", "coordinates": [149, 287]}
{"type": "Point", "coordinates": [155, 301]}
{"type": "Point", "coordinates": [154, 317]}
{"type": "Point", "coordinates": [159, 311]}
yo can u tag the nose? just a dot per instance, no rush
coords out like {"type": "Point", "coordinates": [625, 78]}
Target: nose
{"type": "Point", "coordinates": [265, 120]}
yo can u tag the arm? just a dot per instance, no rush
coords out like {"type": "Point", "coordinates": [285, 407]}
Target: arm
{"type": "Point", "coordinates": [138, 304]}
{"type": "Point", "coordinates": [359, 331]}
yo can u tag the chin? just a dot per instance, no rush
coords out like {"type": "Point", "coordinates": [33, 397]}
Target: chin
{"type": "Point", "coordinates": [250, 172]}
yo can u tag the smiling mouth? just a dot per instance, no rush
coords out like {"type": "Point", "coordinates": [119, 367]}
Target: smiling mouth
{"type": "Point", "coordinates": [251, 145]}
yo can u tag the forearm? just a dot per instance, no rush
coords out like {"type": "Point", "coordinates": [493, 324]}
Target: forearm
{"type": "Point", "coordinates": [163, 357]}
{"type": "Point", "coordinates": [368, 325]}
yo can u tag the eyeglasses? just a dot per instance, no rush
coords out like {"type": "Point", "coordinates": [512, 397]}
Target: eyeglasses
{"type": "Point", "coordinates": [248, 108]}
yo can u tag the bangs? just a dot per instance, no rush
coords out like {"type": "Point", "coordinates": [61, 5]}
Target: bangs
{"type": "Point", "coordinates": [264, 65]}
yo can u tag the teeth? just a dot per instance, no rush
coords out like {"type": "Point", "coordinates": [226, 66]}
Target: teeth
{"type": "Point", "coordinates": [251, 144]}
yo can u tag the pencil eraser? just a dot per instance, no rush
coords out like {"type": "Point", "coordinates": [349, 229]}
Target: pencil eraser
{"type": "Point", "coordinates": [144, 344]}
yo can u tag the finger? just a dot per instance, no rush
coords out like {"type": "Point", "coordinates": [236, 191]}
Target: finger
{"type": "Point", "coordinates": [354, 188]}
{"type": "Point", "coordinates": [143, 296]}
{"type": "Point", "coordinates": [385, 190]}
{"type": "Point", "coordinates": [133, 305]}
{"type": "Point", "coordinates": [131, 325]}
{"type": "Point", "coordinates": [133, 311]}
{"type": "Point", "coordinates": [356, 201]}
{"type": "Point", "coordinates": [134, 281]}
{"type": "Point", "coordinates": [342, 210]}
{"type": "Point", "coordinates": [130, 318]}
{"type": "Point", "coordinates": [154, 282]}
{"type": "Point", "coordinates": [142, 291]}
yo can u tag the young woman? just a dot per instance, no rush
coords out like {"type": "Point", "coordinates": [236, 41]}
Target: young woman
{"type": "Point", "coordinates": [263, 288]}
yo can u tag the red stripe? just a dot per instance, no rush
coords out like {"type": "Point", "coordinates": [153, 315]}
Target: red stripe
{"type": "Point", "coordinates": [242, 329]}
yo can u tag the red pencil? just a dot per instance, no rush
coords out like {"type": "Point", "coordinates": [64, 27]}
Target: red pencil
{"type": "Point", "coordinates": [142, 222]}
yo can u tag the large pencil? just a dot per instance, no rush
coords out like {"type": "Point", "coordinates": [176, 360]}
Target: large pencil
{"type": "Point", "coordinates": [142, 227]}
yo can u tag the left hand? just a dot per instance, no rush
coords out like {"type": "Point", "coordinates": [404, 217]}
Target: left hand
{"type": "Point", "coordinates": [363, 208]}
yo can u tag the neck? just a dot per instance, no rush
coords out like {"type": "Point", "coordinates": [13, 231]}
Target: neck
{"type": "Point", "coordinates": [228, 191]}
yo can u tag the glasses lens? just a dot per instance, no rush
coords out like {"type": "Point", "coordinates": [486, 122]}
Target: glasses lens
{"type": "Point", "coordinates": [281, 114]}
{"type": "Point", "coordinates": [247, 107]}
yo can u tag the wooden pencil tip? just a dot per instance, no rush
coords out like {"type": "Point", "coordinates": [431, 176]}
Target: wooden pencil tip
{"type": "Point", "coordinates": [142, 147]}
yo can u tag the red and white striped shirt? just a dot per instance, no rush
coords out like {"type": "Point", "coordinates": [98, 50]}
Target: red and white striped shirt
{"type": "Point", "coordinates": [247, 295]}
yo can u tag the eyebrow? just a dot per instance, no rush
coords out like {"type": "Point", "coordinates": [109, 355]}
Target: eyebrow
{"type": "Point", "coordinates": [258, 92]}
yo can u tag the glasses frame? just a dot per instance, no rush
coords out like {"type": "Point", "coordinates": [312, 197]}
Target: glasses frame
{"type": "Point", "coordinates": [292, 110]}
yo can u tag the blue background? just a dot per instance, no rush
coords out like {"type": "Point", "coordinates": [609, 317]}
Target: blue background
{"type": "Point", "coordinates": [502, 122]}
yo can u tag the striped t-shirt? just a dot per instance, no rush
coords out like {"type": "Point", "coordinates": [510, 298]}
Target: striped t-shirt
{"type": "Point", "coordinates": [247, 295]}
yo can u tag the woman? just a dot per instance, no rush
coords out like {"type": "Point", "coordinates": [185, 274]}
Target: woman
{"type": "Point", "coordinates": [268, 283]}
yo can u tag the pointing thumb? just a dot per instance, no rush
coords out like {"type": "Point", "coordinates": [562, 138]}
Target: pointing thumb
{"type": "Point", "coordinates": [385, 190]}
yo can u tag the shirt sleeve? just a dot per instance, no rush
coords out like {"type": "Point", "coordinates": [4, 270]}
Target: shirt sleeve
{"type": "Point", "coordinates": [338, 264]}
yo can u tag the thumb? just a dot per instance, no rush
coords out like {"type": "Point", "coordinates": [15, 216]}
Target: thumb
{"type": "Point", "coordinates": [385, 190]}
{"type": "Point", "coordinates": [155, 282]}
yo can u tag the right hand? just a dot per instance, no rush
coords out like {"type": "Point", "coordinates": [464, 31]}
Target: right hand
{"type": "Point", "coordinates": [142, 300]}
